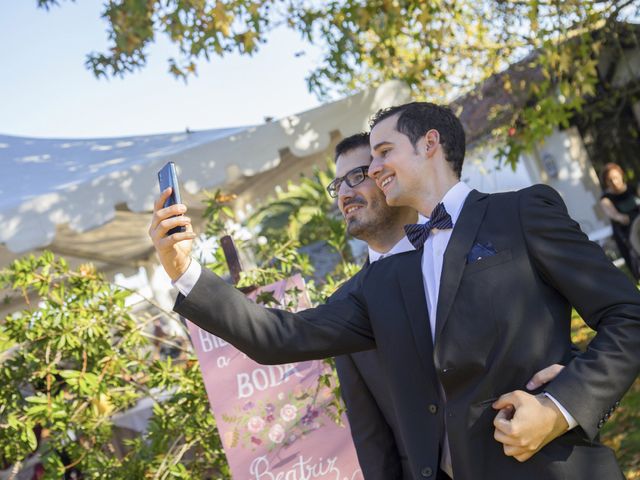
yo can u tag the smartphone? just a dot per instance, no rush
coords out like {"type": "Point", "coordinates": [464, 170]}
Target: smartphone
{"type": "Point", "coordinates": [167, 177]}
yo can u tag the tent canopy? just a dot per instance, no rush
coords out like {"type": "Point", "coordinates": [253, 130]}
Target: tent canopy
{"type": "Point", "coordinates": [57, 192]}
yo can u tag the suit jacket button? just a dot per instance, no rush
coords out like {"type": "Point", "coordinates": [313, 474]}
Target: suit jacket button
{"type": "Point", "coordinates": [433, 409]}
{"type": "Point", "coordinates": [426, 472]}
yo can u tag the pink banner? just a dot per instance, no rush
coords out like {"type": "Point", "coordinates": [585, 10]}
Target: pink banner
{"type": "Point", "coordinates": [275, 420]}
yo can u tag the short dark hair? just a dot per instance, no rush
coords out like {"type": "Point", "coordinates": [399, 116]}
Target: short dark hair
{"type": "Point", "coordinates": [350, 143]}
{"type": "Point", "coordinates": [415, 119]}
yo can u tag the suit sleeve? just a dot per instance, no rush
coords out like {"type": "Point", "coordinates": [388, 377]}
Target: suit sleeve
{"type": "Point", "coordinates": [372, 436]}
{"type": "Point", "coordinates": [592, 384]}
{"type": "Point", "coordinates": [272, 336]}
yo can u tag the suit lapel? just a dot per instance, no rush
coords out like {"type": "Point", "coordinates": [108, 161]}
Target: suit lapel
{"type": "Point", "coordinates": [455, 257]}
{"type": "Point", "coordinates": [409, 276]}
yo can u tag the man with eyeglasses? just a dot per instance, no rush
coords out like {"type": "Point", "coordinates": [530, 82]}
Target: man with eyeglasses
{"type": "Point", "coordinates": [379, 445]}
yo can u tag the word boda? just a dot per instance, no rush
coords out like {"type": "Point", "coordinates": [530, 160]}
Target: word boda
{"type": "Point", "coordinates": [265, 377]}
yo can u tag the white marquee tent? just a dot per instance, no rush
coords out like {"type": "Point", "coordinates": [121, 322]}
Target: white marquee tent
{"type": "Point", "coordinates": [91, 198]}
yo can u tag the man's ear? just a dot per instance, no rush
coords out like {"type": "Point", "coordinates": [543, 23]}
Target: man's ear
{"type": "Point", "coordinates": [432, 140]}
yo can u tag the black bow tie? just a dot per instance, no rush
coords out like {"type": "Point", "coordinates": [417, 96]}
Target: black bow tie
{"type": "Point", "coordinates": [418, 234]}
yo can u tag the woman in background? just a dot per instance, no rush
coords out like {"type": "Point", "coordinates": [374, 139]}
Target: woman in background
{"type": "Point", "coordinates": [621, 204]}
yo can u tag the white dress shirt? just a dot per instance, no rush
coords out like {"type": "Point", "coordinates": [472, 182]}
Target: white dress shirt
{"type": "Point", "coordinates": [434, 248]}
{"type": "Point", "coordinates": [432, 260]}
{"type": "Point", "coordinates": [188, 279]}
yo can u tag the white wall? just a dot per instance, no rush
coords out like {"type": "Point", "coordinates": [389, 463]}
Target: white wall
{"type": "Point", "coordinates": [482, 172]}
{"type": "Point", "coordinates": [576, 180]}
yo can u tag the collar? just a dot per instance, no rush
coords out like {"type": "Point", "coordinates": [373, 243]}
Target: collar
{"type": "Point", "coordinates": [403, 245]}
{"type": "Point", "coordinates": [454, 199]}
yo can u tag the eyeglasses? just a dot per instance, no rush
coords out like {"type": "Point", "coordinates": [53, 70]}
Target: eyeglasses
{"type": "Point", "coordinates": [353, 177]}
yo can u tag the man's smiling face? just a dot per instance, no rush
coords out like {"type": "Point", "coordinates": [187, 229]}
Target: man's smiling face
{"type": "Point", "coordinates": [396, 165]}
{"type": "Point", "coordinates": [363, 206]}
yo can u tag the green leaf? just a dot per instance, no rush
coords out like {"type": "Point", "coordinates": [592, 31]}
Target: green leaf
{"type": "Point", "coordinates": [31, 438]}
{"type": "Point", "coordinates": [40, 399]}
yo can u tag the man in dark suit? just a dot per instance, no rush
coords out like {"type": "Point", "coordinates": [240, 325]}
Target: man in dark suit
{"type": "Point", "coordinates": [462, 343]}
{"type": "Point", "coordinates": [372, 421]}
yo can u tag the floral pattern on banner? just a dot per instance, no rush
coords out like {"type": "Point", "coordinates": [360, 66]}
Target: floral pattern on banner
{"type": "Point", "coordinates": [274, 423]}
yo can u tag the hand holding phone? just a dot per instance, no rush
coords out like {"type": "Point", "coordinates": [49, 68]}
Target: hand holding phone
{"type": "Point", "coordinates": [167, 177]}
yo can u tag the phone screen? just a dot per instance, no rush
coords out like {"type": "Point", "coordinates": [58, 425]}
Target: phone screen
{"type": "Point", "coordinates": [167, 177]}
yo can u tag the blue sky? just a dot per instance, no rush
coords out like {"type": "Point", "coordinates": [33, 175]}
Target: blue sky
{"type": "Point", "coordinates": [45, 90]}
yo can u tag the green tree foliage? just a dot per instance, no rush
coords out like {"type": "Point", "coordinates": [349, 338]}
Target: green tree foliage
{"type": "Point", "coordinates": [440, 48]}
{"type": "Point", "coordinates": [77, 356]}
{"type": "Point", "coordinates": [199, 28]}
